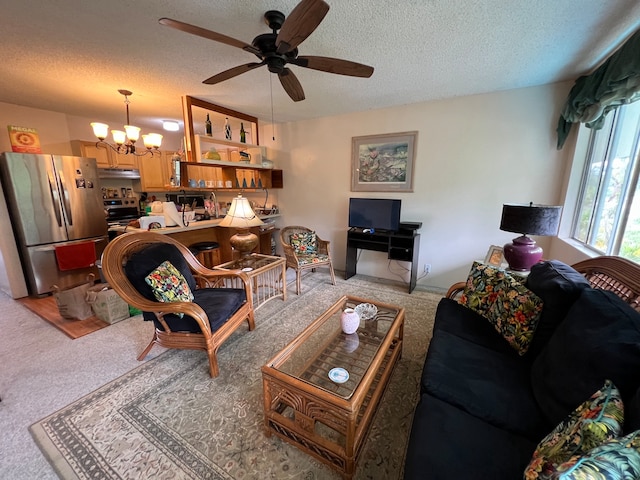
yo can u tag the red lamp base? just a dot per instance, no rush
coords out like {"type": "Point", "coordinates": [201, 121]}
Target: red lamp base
{"type": "Point", "coordinates": [522, 254]}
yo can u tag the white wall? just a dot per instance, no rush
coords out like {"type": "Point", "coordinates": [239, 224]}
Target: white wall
{"type": "Point", "coordinates": [474, 154]}
{"type": "Point", "coordinates": [52, 127]}
{"type": "Point", "coordinates": [55, 130]}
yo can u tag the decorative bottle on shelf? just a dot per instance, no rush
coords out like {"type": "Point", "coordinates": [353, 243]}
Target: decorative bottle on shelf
{"type": "Point", "coordinates": [227, 129]}
{"type": "Point", "coordinates": [207, 126]}
{"type": "Point", "coordinates": [243, 134]}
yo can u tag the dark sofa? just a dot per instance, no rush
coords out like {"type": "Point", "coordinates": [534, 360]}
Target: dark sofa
{"type": "Point", "coordinates": [483, 408]}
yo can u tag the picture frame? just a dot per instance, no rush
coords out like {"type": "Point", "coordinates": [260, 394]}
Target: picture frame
{"type": "Point", "coordinates": [495, 256]}
{"type": "Point", "coordinates": [383, 163]}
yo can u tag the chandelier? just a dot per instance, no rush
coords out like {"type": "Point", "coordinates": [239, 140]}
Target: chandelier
{"type": "Point", "coordinates": [125, 140]}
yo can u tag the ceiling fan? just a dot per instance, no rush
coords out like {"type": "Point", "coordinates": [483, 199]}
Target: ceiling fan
{"type": "Point", "coordinates": [277, 49]}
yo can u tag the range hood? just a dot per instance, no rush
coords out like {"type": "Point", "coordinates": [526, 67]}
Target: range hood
{"type": "Point", "coordinates": [119, 173]}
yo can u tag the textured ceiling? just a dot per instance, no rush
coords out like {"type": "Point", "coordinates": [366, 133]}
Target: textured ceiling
{"type": "Point", "coordinates": [72, 56]}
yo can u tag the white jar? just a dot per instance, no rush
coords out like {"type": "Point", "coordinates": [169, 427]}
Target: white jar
{"type": "Point", "coordinates": [350, 321]}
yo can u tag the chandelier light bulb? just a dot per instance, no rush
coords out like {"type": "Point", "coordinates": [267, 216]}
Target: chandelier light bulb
{"type": "Point", "coordinates": [119, 136]}
{"type": "Point", "coordinates": [133, 133]}
{"type": "Point", "coordinates": [156, 139]}
{"type": "Point", "coordinates": [152, 140]}
{"type": "Point", "coordinates": [100, 130]}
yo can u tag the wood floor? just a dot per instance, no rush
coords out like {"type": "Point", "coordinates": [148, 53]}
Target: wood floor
{"type": "Point", "coordinates": [47, 309]}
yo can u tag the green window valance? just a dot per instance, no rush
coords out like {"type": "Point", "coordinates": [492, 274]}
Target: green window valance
{"type": "Point", "coordinates": [616, 82]}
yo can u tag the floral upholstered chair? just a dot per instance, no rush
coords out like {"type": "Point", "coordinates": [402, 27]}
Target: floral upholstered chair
{"type": "Point", "coordinates": [304, 250]}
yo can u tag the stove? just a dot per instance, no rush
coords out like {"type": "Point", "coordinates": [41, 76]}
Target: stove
{"type": "Point", "coordinates": [120, 211]}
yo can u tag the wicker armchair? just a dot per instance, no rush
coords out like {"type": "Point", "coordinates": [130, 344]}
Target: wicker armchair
{"type": "Point", "coordinates": [203, 324]}
{"type": "Point", "coordinates": [300, 259]}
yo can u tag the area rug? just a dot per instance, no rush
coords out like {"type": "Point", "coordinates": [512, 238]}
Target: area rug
{"type": "Point", "coordinates": [167, 419]}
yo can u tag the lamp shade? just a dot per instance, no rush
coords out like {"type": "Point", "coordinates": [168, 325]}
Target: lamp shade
{"type": "Point", "coordinates": [531, 219]}
{"type": "Point", "coordinates": [240, 214]}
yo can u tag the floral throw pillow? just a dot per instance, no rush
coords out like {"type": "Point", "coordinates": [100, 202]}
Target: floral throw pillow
{"type": "Point", "coordinates": [512, 309]}
{"type": "Point", "coordinates": [480, 291]}
{"type": "Point", "coordinates": [617, 459]}
{"type": "Point", "coordinates": [515, 313]}
{"type": "Point", "coordinates": [304, 242]}
{"type": "Point", "coordinates": [168, 284]}
{"type": "Point", "coordinates": [594, 422]}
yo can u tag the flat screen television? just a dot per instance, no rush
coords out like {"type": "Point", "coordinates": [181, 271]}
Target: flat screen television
{"type": "Point", "coordinates": [375, 213]}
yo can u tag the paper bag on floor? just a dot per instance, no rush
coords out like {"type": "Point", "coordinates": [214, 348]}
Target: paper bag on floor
{"type": "Point", "coordinates": [71, 302]}
{"type": "Point", "coordinates": [107, 304]}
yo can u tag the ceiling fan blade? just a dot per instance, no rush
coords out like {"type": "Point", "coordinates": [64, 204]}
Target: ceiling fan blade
{"type": "Point", "coordinates": [291, 85]}
{"type": "Point", "coordinates": [334, 65]}
{"type": "Point", "coordinates": [203, 32]}
{"type": "Point", "coordinates": [300, 23]}
{"type": "Point", "coordinates": [232, 72]}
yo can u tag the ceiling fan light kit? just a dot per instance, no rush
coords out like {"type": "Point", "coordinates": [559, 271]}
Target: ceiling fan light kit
{"type": "Point", "coordinates": [279, 48]}
{"type": "Point", "coordinates": [125, 140]}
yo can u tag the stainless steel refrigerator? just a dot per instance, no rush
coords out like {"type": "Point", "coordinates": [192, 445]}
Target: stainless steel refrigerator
{"type": "Point", "coordinates": [54, 202]}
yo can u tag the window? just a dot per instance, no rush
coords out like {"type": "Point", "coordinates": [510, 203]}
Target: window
{"type": "Point", "coordinates": [608, 214]}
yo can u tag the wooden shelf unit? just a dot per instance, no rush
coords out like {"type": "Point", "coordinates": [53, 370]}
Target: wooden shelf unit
{"type": "Point", "coordinates": [242, 176]}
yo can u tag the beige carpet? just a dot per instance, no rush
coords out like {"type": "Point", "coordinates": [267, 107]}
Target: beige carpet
{"type": "Point", "coordinates": [169, 419]}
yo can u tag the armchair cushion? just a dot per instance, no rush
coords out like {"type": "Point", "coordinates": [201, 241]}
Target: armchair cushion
{"type": "Point", "coordinates": [218, 303]}
{"type": "Point", "coordinates": [168, 284]}
{"type": "Point", "coordinates": [304, 242]}
{"type": "Point", "coordinates": [218, 306]}
{"type": "Point", "coordinates": [312, 258]}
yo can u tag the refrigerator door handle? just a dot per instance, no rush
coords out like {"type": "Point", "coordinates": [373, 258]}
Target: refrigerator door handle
{"type": "Point", "coordinates": [55, 198]}
{"type": "Point", "coordinates": [65, 198]}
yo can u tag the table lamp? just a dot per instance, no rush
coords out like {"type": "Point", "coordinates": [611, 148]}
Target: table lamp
{"type": "Point", "coordinates": [242, 217]}
{"type": "Point", "coordinates": [531, 219]}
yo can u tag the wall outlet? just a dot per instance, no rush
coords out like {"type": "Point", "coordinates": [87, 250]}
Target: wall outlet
{"type": "Point", "coordinates": [427, 268]}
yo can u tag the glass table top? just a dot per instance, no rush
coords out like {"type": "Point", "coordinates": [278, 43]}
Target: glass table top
{"type": "Point", "coordinates": [324, 356]}
{"type": "Point", "coordinates": [254, 261]}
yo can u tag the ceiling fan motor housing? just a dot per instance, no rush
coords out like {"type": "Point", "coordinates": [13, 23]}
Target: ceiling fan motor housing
{"type": "Point", "coordinates": [274, 19]}
{"type": "Point", "coordinates": [266, 43]}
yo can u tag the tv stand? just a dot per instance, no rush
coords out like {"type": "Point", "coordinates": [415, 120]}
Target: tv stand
{"type": "Point", "coordinates": [402, 245]}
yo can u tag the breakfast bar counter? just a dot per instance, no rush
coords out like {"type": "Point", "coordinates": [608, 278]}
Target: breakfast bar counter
{"type": "Point", "coordinates": [209, 231]}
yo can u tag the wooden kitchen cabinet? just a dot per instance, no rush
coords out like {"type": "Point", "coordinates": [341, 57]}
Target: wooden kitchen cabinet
{"type": "Point", "coordinates": [155, 171]}
{"type": "Point", "coordinates": [119, 160]}
{"type": "Point", "coordinates": [105, 157]}
{"type": "Point", "coordinates": [91, 150]}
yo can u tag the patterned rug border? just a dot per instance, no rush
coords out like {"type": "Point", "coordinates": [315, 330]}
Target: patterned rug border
{"type": "Point", "coordinates": [192, 463]}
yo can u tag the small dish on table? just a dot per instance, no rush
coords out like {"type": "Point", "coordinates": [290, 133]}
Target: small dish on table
{"type": "Point", "coordinates": [366, 311]}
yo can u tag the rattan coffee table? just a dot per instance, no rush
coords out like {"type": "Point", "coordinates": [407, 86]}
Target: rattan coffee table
{"type": "Point", "coordinates": [329, 419]}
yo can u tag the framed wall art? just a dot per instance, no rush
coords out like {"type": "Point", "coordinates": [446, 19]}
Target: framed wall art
{"type": "Point", "coordinates": [383, 163]}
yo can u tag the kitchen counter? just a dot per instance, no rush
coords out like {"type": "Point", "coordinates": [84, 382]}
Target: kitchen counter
{"type": "Point", "coordinates": [208, 231]}
{"type": "Point", "coordinates": [192, 226]}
